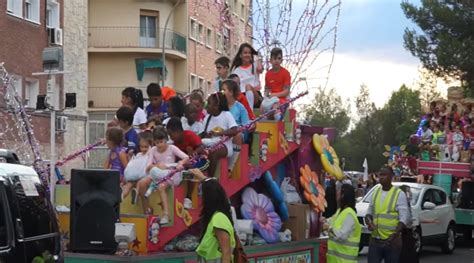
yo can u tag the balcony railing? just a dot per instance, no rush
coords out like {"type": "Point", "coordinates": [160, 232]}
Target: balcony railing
{"type": "Point", "coordinates": [135, 37]}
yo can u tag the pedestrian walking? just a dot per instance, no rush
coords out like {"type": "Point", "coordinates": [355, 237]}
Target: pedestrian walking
{"type": "Point", "coordinates": [408, 253]}
{"type": "Point", "coordinates": [344, 229]}
{"type": "Point", "coordinates": [386, 217]}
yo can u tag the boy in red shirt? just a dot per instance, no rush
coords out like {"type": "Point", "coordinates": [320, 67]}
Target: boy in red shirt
{"type": "Point", "coordinates": [277, 79]}
{"type": "Point", "coordinates": [190, 143]}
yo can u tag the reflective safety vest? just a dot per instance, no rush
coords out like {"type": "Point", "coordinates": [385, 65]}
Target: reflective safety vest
{"type": "Point", "coordinates": [344, 250]}
{"type": "Point", "coordinates": [385, 213]}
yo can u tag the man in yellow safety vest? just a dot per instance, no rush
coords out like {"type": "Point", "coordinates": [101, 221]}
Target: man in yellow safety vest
{"type": "Point", "coordinates": [387, 215]}
{"type": "Point", "coordinates": [344, 229]}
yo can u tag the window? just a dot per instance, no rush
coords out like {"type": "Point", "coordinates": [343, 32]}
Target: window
{"type": "Point", "coordinates": [32, 10]}
{"type": "Point", "coordinates": [201, 83]}
{"type": "Point", "coordinates": [31, 93]}
{"type": "Point", "coordinates": [34, 211]}
{"type": "Point", "coordinates": [208, 37]}
{"type": "Point", "coordinates": [52, 14]}
{"type": "Point", "coordinates": [193, 82]}
{"type": "Point", "coordinates": [200, 32]}
{"type": "Point", "coordinates": [193, 29]}
{"type": "Point", "coordinates": [97, 126]}
{"type": "Point", "coordinates": [434, 196]}
{"type": "Point", "coordinates": [148, 26]}
{"type": "Point", "coordinates": [3, 218]}
{"type": "Point", "coordinates": [15, 7]}
{"type": "Point", "coordinates": [18, 85]}
{"type": "Point", "coordinates": [219, 43]}
{"type": "Point", "coordinates": [242, 11]}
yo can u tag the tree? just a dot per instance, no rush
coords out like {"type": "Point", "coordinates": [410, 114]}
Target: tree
{"type": "Point", "coordinates": [366, 108]}
{"type": "Point", "coordinates": [401, 115]}
{"type": "Point", "coordinates": [427, 85]}
{"type": "Point", "coordinates": [328, 110]}
{"type": "Point", "coordinates": [446, 46]}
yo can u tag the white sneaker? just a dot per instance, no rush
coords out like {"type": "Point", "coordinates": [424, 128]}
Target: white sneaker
{"type": "Point", "coordinates": [187, 203]}
{"type": "Point", "coordinates": [164, 220]}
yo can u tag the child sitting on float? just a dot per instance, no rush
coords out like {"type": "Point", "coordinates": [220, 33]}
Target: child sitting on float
{"type": "Point", "coordinates": [162, 159]}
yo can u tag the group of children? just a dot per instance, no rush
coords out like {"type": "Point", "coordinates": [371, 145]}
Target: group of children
{"type": "Point", "coordinates": [147, 143]}
{"type": "Point", "coordinates": [447, 134]}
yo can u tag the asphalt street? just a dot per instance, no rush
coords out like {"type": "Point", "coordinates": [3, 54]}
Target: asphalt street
{"type": "Point", "coordinates": [464, 253]}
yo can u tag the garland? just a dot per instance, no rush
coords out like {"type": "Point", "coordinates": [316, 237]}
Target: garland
{"type": "Point", "coordinates": [224, 139]}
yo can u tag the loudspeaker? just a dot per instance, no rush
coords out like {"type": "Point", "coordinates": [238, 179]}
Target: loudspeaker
{"type": "Point", "coordinates": [467, 195]}
{"type": "Point", "coordinates": [95, 208]}
{"type": "Point", "coordinates": [70, 100]}
{"type": "Point", "coordinates": [41, 102]}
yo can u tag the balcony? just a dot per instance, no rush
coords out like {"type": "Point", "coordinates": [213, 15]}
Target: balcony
{"type": "Point", "coordinates": [136, 39]}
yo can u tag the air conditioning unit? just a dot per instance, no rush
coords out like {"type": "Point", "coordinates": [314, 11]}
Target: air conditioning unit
{"type": "Point", "coordinates": [55, 35]}
{"type": "Point", "coordinates": [61, 123]}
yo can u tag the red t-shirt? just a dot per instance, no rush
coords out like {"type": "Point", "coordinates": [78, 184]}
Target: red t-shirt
{"type": "Point", "coordinates": [190, 140]}
{"type": "Point", "coordinates": [276, 81]}
{"type": "Point", "coordinates": [242, 99]}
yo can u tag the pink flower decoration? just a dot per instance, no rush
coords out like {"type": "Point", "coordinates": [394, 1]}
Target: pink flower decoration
{"type": "Point", "coordinates": [259, 209]}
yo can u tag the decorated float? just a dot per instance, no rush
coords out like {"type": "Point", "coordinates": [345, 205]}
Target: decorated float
{"type": "Point", "coordinates": [276, 190]}
{"type": "Point", "coordinates": [444, 163]}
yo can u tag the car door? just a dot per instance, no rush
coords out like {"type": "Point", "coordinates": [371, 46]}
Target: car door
{"type": "Point", "coordinates": [8, 249]}
{"type": "Point", "coordinates": [442, 211]}
{"type": "Point", "coordinates": [428, 217]}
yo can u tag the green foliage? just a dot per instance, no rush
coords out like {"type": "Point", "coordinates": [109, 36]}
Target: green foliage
{"type": "Point", "coordinates": [328, 110]}
{"type": "Point", "coordinates": [393, 124]}
{"type": "Point", "coordinates": [446, 44]}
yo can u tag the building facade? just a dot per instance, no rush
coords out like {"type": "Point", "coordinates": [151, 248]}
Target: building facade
{"type": "Point", "coordinates": [28, 27]}
{"type": "Point", "coordinates": [216, 28]}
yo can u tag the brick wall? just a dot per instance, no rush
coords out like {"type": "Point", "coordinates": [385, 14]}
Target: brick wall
{"type": "Point", "coordinates": [200, 57]}
{"type": "Point", "coordinates": [21, 47]}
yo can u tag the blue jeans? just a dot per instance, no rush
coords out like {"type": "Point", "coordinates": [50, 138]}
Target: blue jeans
{"type": "Point", "coordinates": [380, 250]}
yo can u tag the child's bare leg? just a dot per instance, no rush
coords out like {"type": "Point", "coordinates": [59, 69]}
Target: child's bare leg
{"type": "Point", "coordinates": [142, 187]}
{"type": "Point", "coordinates": [126, 189]}
{"type": "Point", "coordinates": [214, 158]}
{"type": "Point", "coordinates": [164, 198]}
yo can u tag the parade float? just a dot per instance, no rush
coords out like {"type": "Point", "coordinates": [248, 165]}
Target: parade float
{"type": "Point", "coordinates": [284, 163]}
{"type": "Point", "coordinates": [444, 165]}
{"type": "Point", "coordinates": [275, 188]}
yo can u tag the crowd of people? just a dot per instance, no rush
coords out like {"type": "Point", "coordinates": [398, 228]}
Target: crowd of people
{"type": "Point", "coordinates": [446, 135]}
{"type": "Point", "coordinates": [146, 142]}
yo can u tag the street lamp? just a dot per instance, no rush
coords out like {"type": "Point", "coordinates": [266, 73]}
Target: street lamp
{"type": "Point", "coordinates": [164, 37]}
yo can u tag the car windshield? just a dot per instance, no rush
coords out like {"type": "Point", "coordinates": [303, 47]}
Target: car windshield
{"type": "Point", "coordinates": [415, 193]}
{"type": "Point", "coordinates": [33, 205]}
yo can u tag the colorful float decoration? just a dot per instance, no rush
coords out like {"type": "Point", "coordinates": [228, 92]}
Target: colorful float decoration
{"type": "Point", "coordinates": [154, 230]}
{"type": "Point", "coordinates": [183, 213]}
{"type": "Point", "coordinates": [264, 150]}
{"type": "Point", "coordinates": [276, 195]}
{"type": "Point", "coordinates": [284, 143]}
{"type": "Point", "coordinates": [328, 156]}
{"type": "Point", "coordinates": [313, 191]}
{"type": "Point", "coordinates": [259, 209]}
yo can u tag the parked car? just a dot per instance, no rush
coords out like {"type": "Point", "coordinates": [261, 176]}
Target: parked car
{"type": "Point", "coordinates": [433, 216]}
{"type": "Point", "coordinates": [29, 231]}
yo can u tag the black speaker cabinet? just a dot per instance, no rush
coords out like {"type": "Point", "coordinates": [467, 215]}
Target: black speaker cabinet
{"type": "Point", "coordinates": [95, 208]}
{"type": "Point", "coordinates": [467, 195]}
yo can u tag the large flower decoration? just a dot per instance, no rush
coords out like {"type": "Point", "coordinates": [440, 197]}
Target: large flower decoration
{"type": "Point", "coordinates": [259, 209]}
{"type": "Point", "coordinates": [328, 156]}
{"type": "Point", "coordinates": [313, 191]}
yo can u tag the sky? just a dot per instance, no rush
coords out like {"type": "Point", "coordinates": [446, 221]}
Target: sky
{"type": "Point", "coordinates": [370, 50]}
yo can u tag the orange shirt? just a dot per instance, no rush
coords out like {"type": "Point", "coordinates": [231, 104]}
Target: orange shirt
{"type": "Point", "coordinates": [242, 99]}
{"type": "Point", "coordinates": [276, 81]}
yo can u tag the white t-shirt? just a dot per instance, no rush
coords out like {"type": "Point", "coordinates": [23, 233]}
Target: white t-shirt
{"type": "Point", "coordinates": [138, 119]}
{"type": "Point", "coordinates": [225, 120]}
{"type": "Point", "coordinates": [247, 77]}
{"type": "Point", "coordinates": [427, 135]}
{"type": "Point", "coordinates": [197, 126]}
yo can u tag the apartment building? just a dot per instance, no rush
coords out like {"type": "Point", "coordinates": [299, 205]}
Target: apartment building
{"type": "Point", "coordinates": [216, 28]}
{"type": "Point", "coordinates": [125, 47]}
{"type": "Point", "coordinates": [27, 27]}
